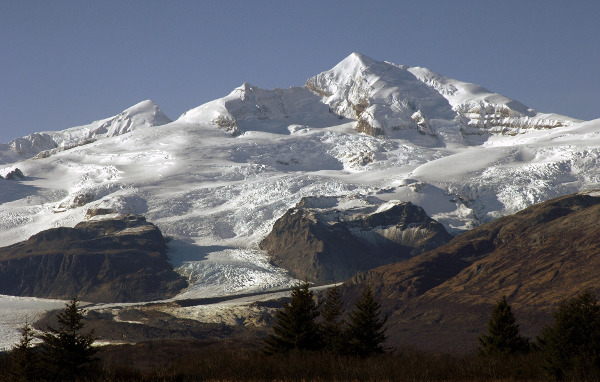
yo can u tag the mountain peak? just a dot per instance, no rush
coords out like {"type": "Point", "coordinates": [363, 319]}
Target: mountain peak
{"type": "Point", "coordinates": [356, 65]}
{"type": "Point", "coordinates": [399, 101]}
{"type": "Point", "coordinates": [357, 60]}
{"type": "Point", "coordinates": [148, 111]}
{"type": "Point", "coordinates": [140, 107]}
{"type": "Point", "coordinates": [386, 99]}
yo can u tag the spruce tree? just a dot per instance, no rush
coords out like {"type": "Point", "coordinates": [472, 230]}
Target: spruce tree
{"type": "Point", "coordinates": [295, 326]}
{"type": "Point", "coordinates": [67, 350]}
{"type": "Point", "coordinates": [503, 333]}
{"type": "Point", "coordinates": [572, 343]}
{"type": "Point", "coordinates": [24, 365]}
{"type": "Point", "coordinates": [332, 325]}
{"type": "Point", "coordinates": [366, 332]}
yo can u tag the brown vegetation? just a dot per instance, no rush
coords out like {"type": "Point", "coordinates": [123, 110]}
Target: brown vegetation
{"type": "Point", "coordinates": [206, 361]}
{"type": "Point", "coordinates": [536, 258]}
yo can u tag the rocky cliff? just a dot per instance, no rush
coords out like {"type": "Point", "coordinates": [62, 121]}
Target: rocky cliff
{"type": "Point", "coordinates": [112, 260]}
{"type": "Point", "coordinates": [320, 242]}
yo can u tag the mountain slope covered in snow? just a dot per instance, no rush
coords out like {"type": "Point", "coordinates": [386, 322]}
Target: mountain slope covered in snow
{"type": "Point", "coordinates": [216, 179]}
{"type": "Point", "coordinates": [143, 114]}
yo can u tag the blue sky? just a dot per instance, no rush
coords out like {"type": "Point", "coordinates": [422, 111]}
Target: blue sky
{"type": "Point", "coordinates": [68, 63]}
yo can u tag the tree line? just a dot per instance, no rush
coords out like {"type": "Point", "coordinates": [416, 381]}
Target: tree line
{"type": "Point", "coordinates": [301, 325]}
{"type": "Point", "coordinates": [568, 349]}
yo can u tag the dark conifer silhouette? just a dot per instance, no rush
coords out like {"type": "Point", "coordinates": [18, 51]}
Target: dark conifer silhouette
{"type": "Point", "coordinates": [572, 343]}
{"type": "Point", "coordinates": [295, 326]}
{"type": "Point", "coordinates": [333, 325]}
{"type": "Point", "coordinates": [66, 349]}
{"type": "Point", "coordinates": [24, 362]}
{"type": "Point", "coordinates": [503, 332]}
{"type": "Point", "coordinates": [366, 332]}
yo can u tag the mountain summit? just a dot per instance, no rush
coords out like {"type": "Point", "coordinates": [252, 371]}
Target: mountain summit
{"type": "Point", "coordinates": [396, 101]}
{"type": "Point", "coordinates": [386, 100]}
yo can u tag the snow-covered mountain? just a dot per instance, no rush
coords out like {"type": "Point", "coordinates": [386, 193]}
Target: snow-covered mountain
{"type": "Point", "coordinates": [216, 179]}
{"type": "Point", "coordinates": [144, 114]}
{"type": "Point", "coordinates": [399, 101]}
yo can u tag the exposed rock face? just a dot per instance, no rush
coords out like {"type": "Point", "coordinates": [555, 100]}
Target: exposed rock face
{"type": "Point", "coordinates": [327, 244]}
{"type": "Point", "coordinates": [116, 260]}
{"type": "Point", "coordinates": [15, 174]}
{"type": "Point", "coordinates": [441, 300]}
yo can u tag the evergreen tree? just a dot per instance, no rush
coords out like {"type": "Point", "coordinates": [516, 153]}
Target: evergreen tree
{"type": "Point", "coordinates": [332, 325]}
{"type": "Point", "coordinates": [503, 333]}
{"type": "Point", "coordinates": [295, 326]}
{"type": "Point", "coordinates": [572, 343]}
{"type": "Point", "coordinates": [67, 350]}
{"type": "Point", "coordinates": [24, 365]}
{"type": "Point", "coordinates": [366, 332]}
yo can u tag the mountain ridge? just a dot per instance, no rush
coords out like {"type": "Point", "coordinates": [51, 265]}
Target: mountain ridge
{"type": "Point", "coordinates": [118, 259]}
{"type": "Point", "coordinates": [142, 114]}
{"type": "Point", "coordinates": [321, 241]}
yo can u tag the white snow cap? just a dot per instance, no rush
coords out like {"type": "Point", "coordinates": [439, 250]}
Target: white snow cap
{"type": "Point", "coordinates": [141, 115]}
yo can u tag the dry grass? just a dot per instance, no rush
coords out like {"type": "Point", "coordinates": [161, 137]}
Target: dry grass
{"type": "Point", "coordinates": [212, 361]}
{"type": "Point", "coordinates": [197, 363]}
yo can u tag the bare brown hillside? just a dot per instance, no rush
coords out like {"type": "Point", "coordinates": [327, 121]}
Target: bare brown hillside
{"type": "Point", "coordinates": [441, 300]}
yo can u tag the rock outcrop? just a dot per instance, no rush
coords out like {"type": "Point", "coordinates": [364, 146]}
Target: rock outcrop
{"type": "Point", "coordinates": [323, 244]}
{"type": "Point", "coordinates": [114, 260]}
{"type": "Point", "coordinates": [15, 174]}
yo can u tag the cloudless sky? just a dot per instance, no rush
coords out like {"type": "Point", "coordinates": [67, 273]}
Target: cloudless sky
{"type": "Point", "coordinates": [68, 63]}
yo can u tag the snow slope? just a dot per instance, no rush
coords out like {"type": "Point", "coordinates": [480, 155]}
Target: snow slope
{"type": "Point", "coordinates": [144, 114]}
{"type": "Point", "coordinates": [217, 178]}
